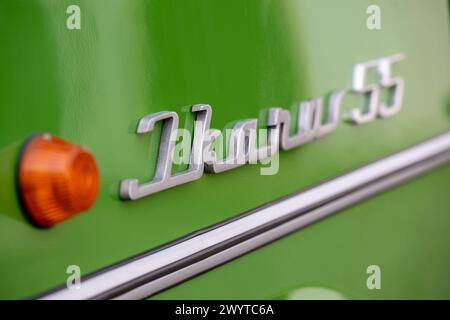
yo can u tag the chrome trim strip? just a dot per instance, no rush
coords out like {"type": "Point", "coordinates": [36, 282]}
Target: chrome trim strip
{"type": "Point", "coordinates": [159, 269]}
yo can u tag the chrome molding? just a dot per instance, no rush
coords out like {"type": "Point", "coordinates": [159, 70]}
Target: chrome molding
{"type": "Point", "coordinates": [158, 269]}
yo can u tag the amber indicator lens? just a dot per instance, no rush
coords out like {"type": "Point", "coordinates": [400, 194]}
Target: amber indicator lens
{"type": "Point", "coordinates": [57, 179]}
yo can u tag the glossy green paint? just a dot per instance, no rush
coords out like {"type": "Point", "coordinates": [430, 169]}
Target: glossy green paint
{"type": "Point", "coordinates": [135, 57]}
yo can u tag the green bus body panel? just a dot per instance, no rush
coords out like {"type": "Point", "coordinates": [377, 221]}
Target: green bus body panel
{"type": "Point", "coordinates": [132, 58]}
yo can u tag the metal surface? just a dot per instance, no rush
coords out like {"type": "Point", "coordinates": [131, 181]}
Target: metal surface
{"type": "Point", "coordinates": [376, 107]}
{"type": "Point", "coordinates": [130, 188]}
{"type": "Point", "coordinates": [242, 146]}
{"type": "Point", "coordinates": [175, 277]}
{"type": "Point", "coordinates": [163, 267]}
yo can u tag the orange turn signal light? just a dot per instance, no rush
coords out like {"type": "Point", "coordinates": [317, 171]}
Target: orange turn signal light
{"type": "Point", "coordinates": [56, 179]}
